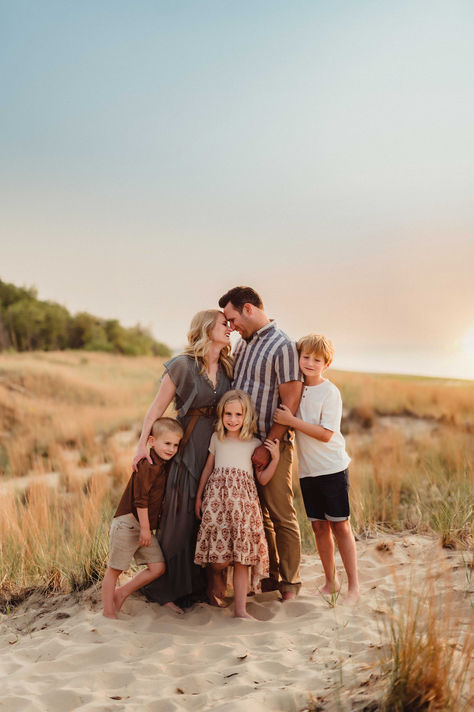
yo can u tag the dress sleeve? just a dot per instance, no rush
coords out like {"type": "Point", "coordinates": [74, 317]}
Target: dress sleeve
{"type": "Point", "coordinates": [182, 371]}
{"type": "Point", "coordinates": [212, 444]}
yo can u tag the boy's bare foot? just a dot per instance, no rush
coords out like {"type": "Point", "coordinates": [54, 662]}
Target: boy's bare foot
{"type": "Point", "coordinates": [173, 607]}
{"type": "Point", "coordinates": [288, 596]}
{"type": "Point", "coordinates": [245, 616]}
{"type": "Point", "coordinates": [330, 588]}
{"type": "Point", "coordinates": [119, 598]}
{"type": "Point", "coordinates": [352, 598]}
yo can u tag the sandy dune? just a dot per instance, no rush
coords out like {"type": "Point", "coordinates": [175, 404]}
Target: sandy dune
{"type": "Point", "coordinates": [60, 654]}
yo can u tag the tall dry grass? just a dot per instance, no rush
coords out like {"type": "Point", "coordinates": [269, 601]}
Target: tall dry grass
{"type": "Point", "coordinates": [67, 399]}
{"type": "Point", "coordinates": [59, 413]}
{"type": "Point", "coordinates": [423, 484]}
{"type": "Point", "coordinates": [430, 653]}
{"type": "Point", "coordinates": [52, 541]}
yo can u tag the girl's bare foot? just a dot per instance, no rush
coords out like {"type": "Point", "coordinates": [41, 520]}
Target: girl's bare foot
{"type": "Point", "coordinates": [219, 583]}
{"type": "Point", "coordinates": [214, 600]}
{"type": "Point", "coordinates": [352, 597]}
{"type": "Point", "coordinates": [173, 607]}
{"type": "Point", "coordinates": [288, 596]}
{"type": "Point", "coordinates": [109, 615]}
{"type": "Point", "coordinates": [244, 615]}
{"type": "Point", "coordinates": [219, 592]}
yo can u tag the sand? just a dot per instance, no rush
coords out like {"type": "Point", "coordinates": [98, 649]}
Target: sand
{"type": "Point", "coordinates": [59, 654]}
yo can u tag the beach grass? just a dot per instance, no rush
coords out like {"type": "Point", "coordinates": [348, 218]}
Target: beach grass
{"type": "Point", "coordinates": [429, 655]}
{"type": "Point", "coordinates": [63, 415]}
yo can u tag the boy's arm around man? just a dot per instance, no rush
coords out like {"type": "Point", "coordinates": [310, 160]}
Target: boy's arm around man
{"type": "Point", "coordinates": [284, 416]}
{"type": "Point", "coordinates": [331, 410]}
{"type": "Point", "coordinates": [290, 395]}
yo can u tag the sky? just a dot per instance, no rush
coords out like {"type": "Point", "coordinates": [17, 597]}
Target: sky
{"type": "Point", "coordinates": [155, 154]}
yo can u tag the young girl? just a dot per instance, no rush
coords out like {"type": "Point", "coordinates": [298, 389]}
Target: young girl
{"type": "Point", "coordinates": [231, 530]}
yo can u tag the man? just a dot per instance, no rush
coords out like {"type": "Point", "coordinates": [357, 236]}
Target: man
{"type": "Point", "coordinates": [266, 367]}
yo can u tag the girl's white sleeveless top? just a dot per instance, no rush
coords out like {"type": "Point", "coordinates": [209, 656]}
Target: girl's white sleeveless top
{"type": "Point", "coordinates": [233, 452]}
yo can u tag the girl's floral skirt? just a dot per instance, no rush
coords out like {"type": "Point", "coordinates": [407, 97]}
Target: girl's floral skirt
{"type": "Point", "coordinates": [232, 526]}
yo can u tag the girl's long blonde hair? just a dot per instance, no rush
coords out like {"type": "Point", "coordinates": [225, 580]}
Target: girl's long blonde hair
{"type": "Point", "coordinates": [249, 425]}
{"type": "Point", "coordinates": [199, 340]}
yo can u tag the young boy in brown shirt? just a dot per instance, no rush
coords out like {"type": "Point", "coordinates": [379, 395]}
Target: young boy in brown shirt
{"type": "Point", "coordinates": [137, 516]}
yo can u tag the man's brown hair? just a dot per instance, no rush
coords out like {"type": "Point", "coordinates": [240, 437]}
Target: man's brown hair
{"type": "Point", "coordinates": [238, 296]}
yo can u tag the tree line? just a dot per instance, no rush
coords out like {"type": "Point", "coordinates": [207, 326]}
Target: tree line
{"type": "Point", "coordinates": [28, 323]}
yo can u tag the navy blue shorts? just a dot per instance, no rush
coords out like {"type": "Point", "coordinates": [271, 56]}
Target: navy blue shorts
{"type": "Point", "coordinates": [326, 496]}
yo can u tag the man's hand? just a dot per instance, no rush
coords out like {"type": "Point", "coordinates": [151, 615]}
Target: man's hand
{"type": "Point", "coordinates": [260, 457]}
{"type": "Point", "coordinates": [145, 537]}
{"type": "Point", "coordinates": [283, 416]}
{"type": "Point", "coordinates": [141, 452]}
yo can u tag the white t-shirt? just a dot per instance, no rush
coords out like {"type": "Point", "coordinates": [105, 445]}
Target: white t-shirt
{"type": "Point", "coordinates": [321, 405]}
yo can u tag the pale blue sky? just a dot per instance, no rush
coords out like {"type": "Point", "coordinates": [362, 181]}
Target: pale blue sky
{"type": "Point", "coordinates": [156, 153]}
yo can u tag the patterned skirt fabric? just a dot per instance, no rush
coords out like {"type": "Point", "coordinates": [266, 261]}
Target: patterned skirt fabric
{"type": "Point", "coordinates": [232, 527]}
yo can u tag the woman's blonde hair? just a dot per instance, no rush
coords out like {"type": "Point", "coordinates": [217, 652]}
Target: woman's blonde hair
{"type": "Point", "coordinates": [199, 340]}
{"type": "Point", "coordinates": [249, 424]}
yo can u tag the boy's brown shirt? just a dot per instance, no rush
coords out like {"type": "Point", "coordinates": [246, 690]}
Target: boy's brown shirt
{"type": "Point", "coordinates": [145, 489]}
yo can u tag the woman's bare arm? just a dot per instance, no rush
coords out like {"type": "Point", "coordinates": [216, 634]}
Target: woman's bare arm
{"type": "Point", "coordinates": [163, 398]}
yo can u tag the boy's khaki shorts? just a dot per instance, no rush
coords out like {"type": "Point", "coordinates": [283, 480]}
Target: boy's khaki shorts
{"type": "Point", "coordinates": [124, 536]}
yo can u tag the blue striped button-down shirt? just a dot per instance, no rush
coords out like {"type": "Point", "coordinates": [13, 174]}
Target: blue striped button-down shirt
{"type": "Point", "coordinates": [260, 365]}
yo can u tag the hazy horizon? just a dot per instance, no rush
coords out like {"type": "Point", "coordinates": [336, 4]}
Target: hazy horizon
{"type": "Point", "coordinates": [156, 155]}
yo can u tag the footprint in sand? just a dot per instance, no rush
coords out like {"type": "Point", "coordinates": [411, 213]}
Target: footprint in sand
{"type": "Point", "coordinates": [64, 700]}
{"type": "Point", "coordinates": [112, 679]}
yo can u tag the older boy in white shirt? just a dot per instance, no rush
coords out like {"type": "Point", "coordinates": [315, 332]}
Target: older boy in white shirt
{"type": "Point", "coordinates": [323, 462]}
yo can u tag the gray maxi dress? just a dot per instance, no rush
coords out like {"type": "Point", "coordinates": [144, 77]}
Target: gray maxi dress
{"type": "Point", "coordinates": [183, 579]}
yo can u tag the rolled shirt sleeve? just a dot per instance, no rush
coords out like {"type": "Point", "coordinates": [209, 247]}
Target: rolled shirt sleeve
{"type": "Point", "coordinates": [142, 485]}
{"type": "Point", "coordinates": [286, 364]}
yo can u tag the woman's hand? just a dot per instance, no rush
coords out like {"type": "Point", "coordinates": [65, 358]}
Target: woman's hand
{"type": "Point", "coordinates": [142, 451]}
{"type": "Point", "coordinates": [198, 508]}
{"type": "Point", "coordinates": [163, 398]}
{"type": "Point", "coordinates": [283, 415]}
{"type": "Point", "coordinates": [274, 447]}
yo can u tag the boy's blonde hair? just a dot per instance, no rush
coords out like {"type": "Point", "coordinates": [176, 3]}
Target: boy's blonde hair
{"type": "Point", "coordinates": [317, 344]}
{"type": "Point", "coordinates": [161, 425]}
{"type": "Point", "coordinates": [249, 424]}
{"type": "Point", "coordinates": [199, 339]}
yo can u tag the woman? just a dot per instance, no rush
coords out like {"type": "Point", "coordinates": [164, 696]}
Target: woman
{"type": "Point", "coordinates": [196, 380]}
